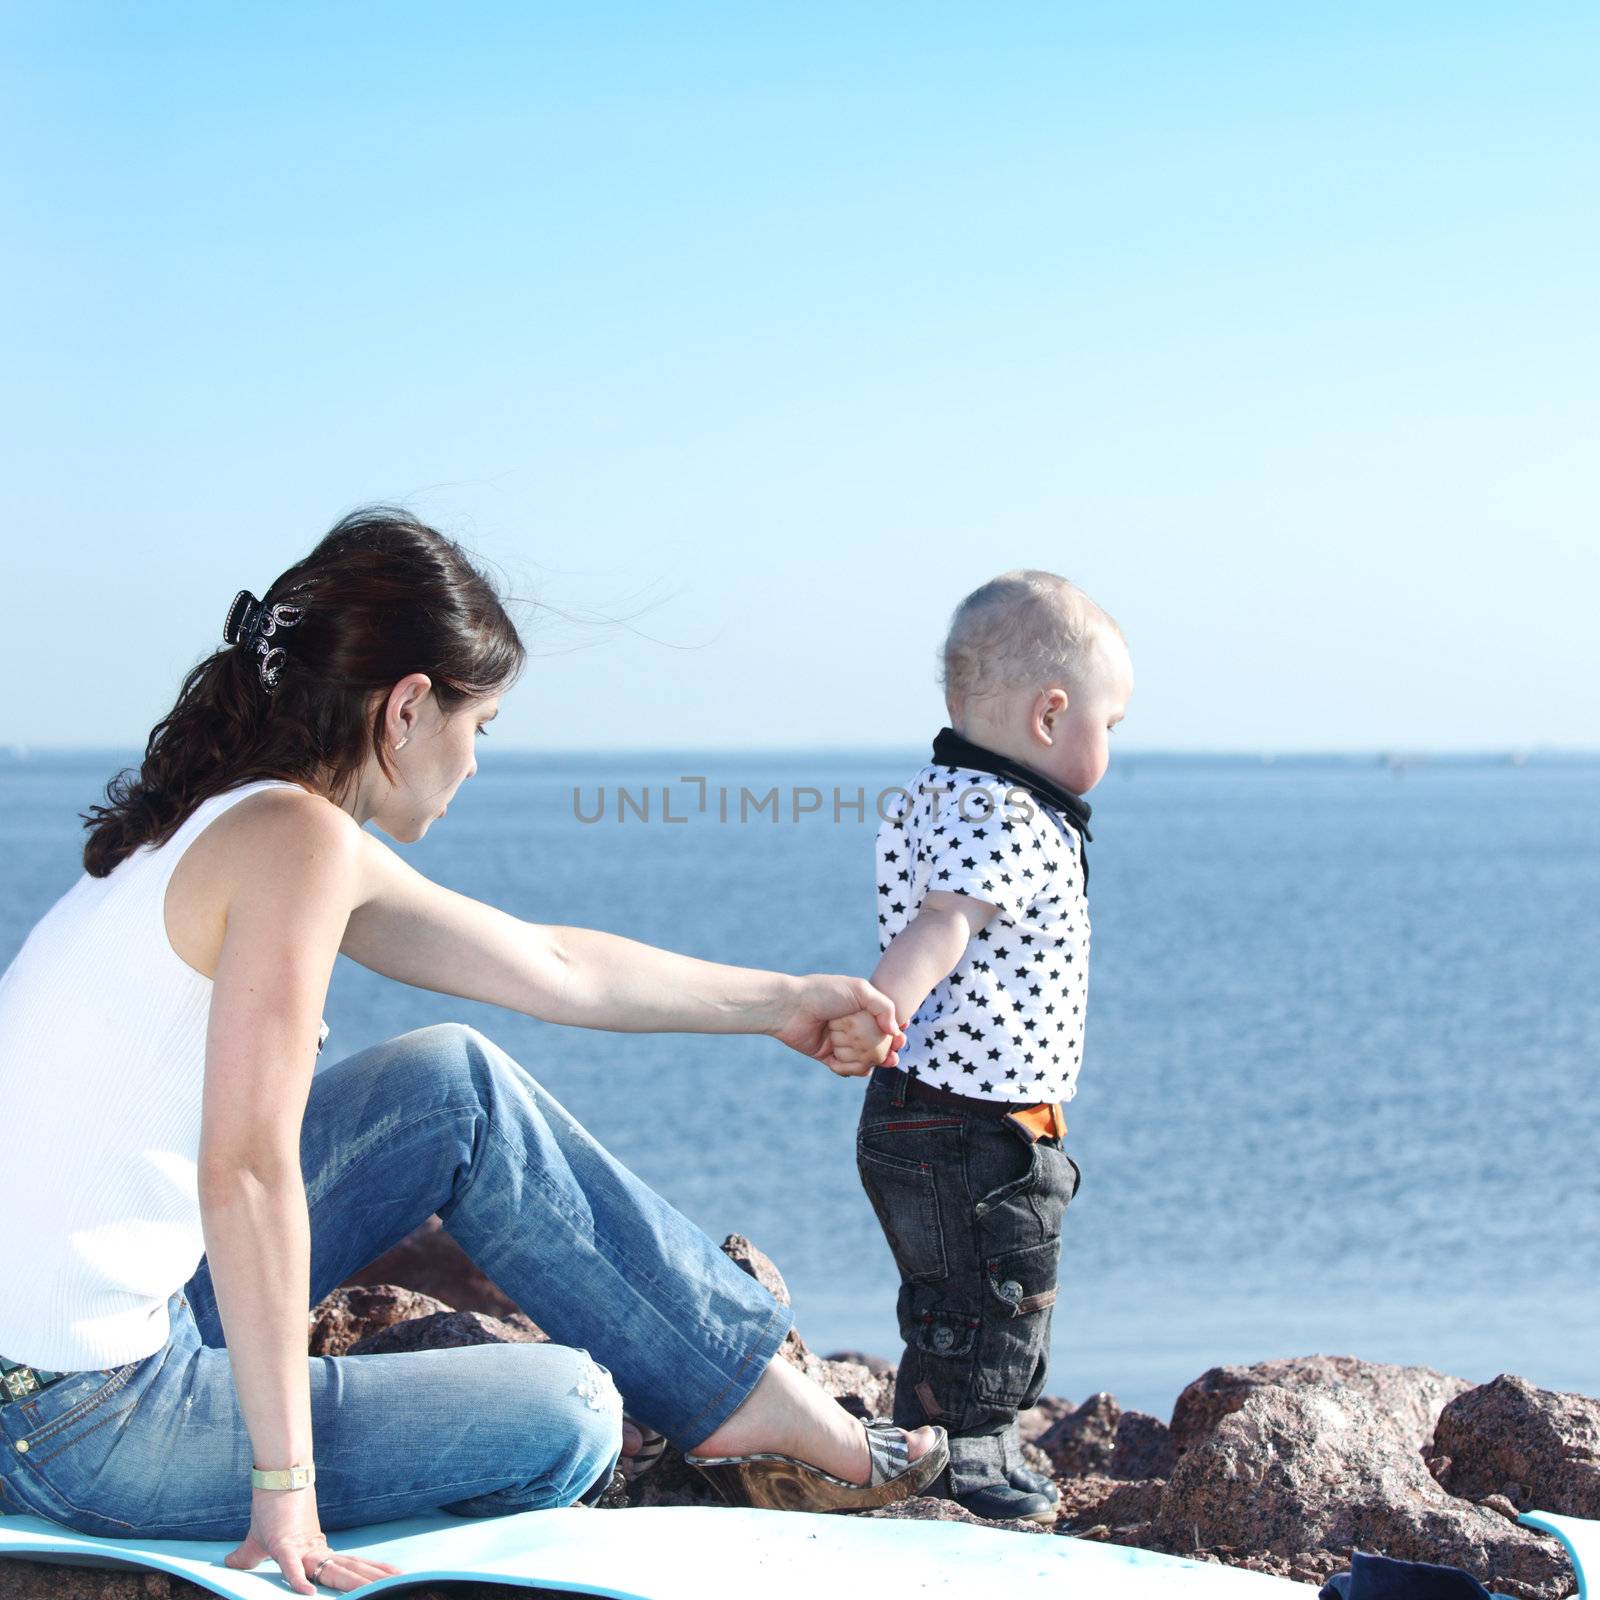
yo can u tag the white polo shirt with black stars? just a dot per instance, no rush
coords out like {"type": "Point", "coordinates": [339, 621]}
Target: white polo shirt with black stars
{"type": "Point", "coordinates": [1007, 1024]}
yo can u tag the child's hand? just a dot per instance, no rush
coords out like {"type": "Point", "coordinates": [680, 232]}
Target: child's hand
{"type": "Point", "coordinates": [814, 1003]}
{"type": "Point", "coordinates": [857, 1044]}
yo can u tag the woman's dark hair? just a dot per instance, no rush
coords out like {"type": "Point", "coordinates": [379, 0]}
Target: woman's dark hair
{"type": "Point", "coordinates": [383, 595]}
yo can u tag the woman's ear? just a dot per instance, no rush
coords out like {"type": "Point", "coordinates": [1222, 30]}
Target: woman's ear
{"type": "Point", "coordinates": [403, 716]}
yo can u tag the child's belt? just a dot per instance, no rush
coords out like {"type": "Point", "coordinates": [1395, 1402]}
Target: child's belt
{"type": "Point", "coordinates": [1043, 1121]}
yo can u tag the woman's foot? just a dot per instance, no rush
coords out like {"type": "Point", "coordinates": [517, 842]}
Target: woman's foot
{"type": "Point", "coordinates": [787, 1414]}
{"type": "Point", "coordinates": [642, 1449]}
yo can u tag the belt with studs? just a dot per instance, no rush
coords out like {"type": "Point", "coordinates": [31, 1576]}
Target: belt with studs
{"type": "Point", "coordinates": [19, 1381]}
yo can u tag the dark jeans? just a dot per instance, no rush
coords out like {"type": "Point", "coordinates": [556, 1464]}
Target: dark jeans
{"type": "Point", "coordinates": [972, 1209]}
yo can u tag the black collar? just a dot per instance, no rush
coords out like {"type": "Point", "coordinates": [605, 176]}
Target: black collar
{"type": "Point", "coordinates": [952, 749]}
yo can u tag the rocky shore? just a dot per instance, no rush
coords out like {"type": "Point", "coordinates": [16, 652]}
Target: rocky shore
{"type": "Point", "coordinates": [1283, 1467]}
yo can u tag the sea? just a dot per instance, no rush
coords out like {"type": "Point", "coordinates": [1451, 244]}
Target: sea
{"type": "Point", "coordinates": [1339, 1090]}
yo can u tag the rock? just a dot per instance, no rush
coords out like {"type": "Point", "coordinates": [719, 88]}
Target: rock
{"type": "Point", "coordinates": [348, 1315]}
{"type": "Point", "coordinates": [671, 1482]}
{"type": "Point", "coordinates": [861, 1392]}
{"type": "Point", "coordinates": [1040, 1417]}
{"type": "Point", "coordinates": [758, 1264]}
{"type": "Point", "coordinates": [856, 1388]}
{"type": "Point", "coordinates": [794, 1351]}
{"type": "Point", "coordinates": [1296, 1469]}
{"type": "Point", "coordinates": [24, 1579]}
{"type": "Point", "coordinates": [1081, 1499]}
{"type": "Point", "coordinates": [1283, 1467]}
{"type": "Point", "coordinates": [928, 1508]}
{"type": "Point", "coordinates": [1540, 1448]}
{"type": "Point", "coordinates": [1408, 1398]}
{"type": "Point", "coordinates": [1142, 1447]}
{"type": "Point", "coordinates": [876, 1365]}
{"type": "Point", "coordinates": [445, 1330]}
{"type": "Point", "coordinates": [1315, 1566]}
{"type": "Point", "coordinates": [1498, 1502]}
{"type": "Point", "coordinates": [431, 1262]}
{"type": "Point", "coordinates": [1122, 1505]}
{"type": "Point", "coordinates": [1083, 1441]}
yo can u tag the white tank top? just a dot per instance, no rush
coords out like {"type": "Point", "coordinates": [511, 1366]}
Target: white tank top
{"type": "Point", "coordinates": [102, 1061]}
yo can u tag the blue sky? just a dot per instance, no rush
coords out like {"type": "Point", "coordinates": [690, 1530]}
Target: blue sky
{"type": "Point", "coordinates": [749, 339]}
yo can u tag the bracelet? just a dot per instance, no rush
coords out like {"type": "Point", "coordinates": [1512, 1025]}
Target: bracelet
{"type": "Point", "coordinates": [283, 1477]}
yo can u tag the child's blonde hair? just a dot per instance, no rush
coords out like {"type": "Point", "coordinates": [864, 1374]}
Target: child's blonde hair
{"type": "Point", "coordinates": [1024, 627]}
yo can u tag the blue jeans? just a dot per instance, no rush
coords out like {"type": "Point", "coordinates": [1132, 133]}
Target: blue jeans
{"type": "Point", "coordinates": [634, 1296]}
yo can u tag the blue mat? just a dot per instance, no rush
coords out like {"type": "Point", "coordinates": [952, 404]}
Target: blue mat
{"type": "Point", "coordinates": [693, 1553]}
{"type": "Point", "coordinates": [1581, 1536]}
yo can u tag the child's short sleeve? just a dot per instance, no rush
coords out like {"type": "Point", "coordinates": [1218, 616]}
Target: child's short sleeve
{"type": "Point", "coordinates": [981, 840]}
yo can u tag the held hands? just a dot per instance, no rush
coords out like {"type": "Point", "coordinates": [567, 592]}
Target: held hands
{"type": "Point", "coordinates": [822, 999]}
{"type": "Point", "coordinates": [285, 1527]}
{"type": "Point", "coordinates": [859, 1045]}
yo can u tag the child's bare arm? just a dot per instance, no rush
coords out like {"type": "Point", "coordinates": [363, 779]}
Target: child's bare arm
{"type": "Point", "coordinates": [923, 953]}
{"type": "Point", "coordinates": [929, 947]}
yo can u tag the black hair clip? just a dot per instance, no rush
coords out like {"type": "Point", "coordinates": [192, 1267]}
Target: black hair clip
{"type": "Point", "coordinates": [252, 623]}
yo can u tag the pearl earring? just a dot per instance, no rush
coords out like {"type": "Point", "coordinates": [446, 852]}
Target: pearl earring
{"type": "Point", "coordinates": [403, 742]}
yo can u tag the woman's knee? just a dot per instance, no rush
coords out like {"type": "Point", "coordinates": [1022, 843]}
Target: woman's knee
{"type": "Point", "coordinates": [473, 1054]}
{"type": "Point", "coordinates": [570, 1422]}
{"type": "Point", "coordinates": [446, 1053]}
{"type": "Point", "coordinates": [583, 1432]}
{"type": "Point", "coordinates": [593, 1415]}
{"type": "Point", "coordinates": [502, 1086]}
{"type": "Point", "coordinates": [573, 1417]}
{"type": "Point", "coordinates": [456, 1042]}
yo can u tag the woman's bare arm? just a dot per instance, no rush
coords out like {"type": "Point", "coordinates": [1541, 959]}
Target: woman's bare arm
{"type": "Point", "coordinates": [414, 930]}
{"type": "Point", "coordinates": [288, 905]}
{"type": "Point", "coordinates": [417, 931]}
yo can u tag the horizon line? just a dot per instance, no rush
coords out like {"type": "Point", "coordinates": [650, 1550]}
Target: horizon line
{"type": "Point", "coordinates": [18, 751]}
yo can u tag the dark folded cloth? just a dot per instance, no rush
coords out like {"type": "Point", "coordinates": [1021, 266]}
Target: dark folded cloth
{"type": "Point", "coordinates": [1384, 1578]}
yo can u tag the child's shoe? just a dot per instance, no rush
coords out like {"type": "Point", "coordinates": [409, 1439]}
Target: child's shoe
{"type": "Point", "coordinates": [1000, 1502]}
{"type": "Point", "coordinates": [1035, 1482]}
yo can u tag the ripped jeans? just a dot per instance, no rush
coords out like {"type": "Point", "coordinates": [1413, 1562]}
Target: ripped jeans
{"type": "Point", "coordinates": [634, 1296]}
{"type": "Point", "coordinates": [972, 1211]}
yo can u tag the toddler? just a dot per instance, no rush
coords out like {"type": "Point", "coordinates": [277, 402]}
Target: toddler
{"type": "Point", "coordinates": [984, 930]}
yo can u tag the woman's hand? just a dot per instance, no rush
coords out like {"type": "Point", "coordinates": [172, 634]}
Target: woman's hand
{"type": "Point", "coordinates": [820, 999]}
{"type": "Point", "coordinates": [285, 1527]}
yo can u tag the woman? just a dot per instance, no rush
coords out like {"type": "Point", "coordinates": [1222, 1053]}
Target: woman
{"type": "Point", "coordinates": [160, 1025]}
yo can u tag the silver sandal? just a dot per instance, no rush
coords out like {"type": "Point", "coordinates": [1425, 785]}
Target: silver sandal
{"type": "Point", "coordinates": [647, 1456]}
{"type": "Point", "coordinates": [782, 1483]}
